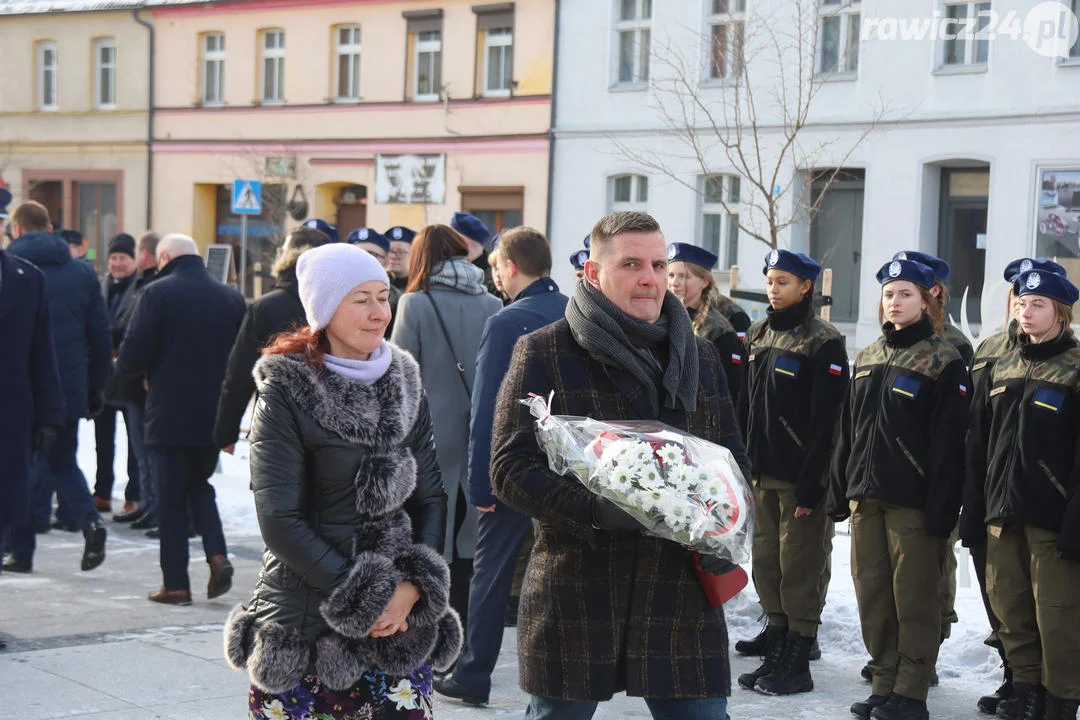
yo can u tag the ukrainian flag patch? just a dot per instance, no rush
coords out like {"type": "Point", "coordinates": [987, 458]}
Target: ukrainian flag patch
{"type": "Point", "coordinates": [1049, 400]}
{"type": "Point", "coordinates": [787, 366]}
{"type": "Point", "coordinates": [905, 386]}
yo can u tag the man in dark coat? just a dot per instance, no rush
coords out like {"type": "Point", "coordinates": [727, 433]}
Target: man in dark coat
{"type": "Point", "coordinates": [275, 312]}
{"type": "Point", "coordinates": [33, 408]}
{"type": "Point", "coordinates": [179, 339]}
{"type": "Point", "coordinates": [81, 338]}
{"type": "Point", "coordinates": [524, 266]}
{"type": "Point", "coordinates": [606, 608]}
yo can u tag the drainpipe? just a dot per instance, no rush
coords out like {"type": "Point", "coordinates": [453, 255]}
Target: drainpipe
{"type": "Point", "coordinates": [551, 130]}
{"type": "Point", "coordinates": [149, 126]}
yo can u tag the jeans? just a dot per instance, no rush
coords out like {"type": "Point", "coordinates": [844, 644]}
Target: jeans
{"type": "Point", "coordinates": [136, 427]}
{"type": "Point", "coordinates": [541, 708]}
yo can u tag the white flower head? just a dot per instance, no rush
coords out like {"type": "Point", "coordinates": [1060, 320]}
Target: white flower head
{"type": "Point", "coordinates": [648, 477]}
{"type": "Point", "coordinates": [405, 695]}
{"type": "Point", "coordinates": [670, 454]}
{"type": "Point", "coordinates": [676, 511]}
{"type": "Point", "coordinates": [650, 500]}
{"type": "Point", "coordinates": [621, 479]}
{"type": "Point", "coordinates": [275, 710]}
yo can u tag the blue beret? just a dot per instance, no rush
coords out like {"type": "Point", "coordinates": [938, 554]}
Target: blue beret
{"type": "Point", "coordinates": [588, 241]}
{"type": "Point", "coordinates": [400, 233]}
{"type": "Point", "coordinates": [5, 200]}
{"type": "Point", "coordinates": [1047, 284]}
{"type": "Point", "coordinates": [940, 267]}
{"type": "Point", "coordinates": [495, 241]}
{"type": "Point", "coordinates": [1025, 264]}
{"type": "Point", "coordinates": [471, 227]}
{"type": "Point", "coordinates": [324, 227]}
{"type": "Point", "coordinates": [909, 270]}
{"type": "Point", "coordinates": [795, 263]}
{"type": "Point", "coordinates": [367, 235]}
{"type": "Point", "coordinates": [578, 259]}
{"type": "Point", "coordinates": [685, 252]}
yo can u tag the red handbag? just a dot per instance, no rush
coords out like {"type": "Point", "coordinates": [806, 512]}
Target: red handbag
{"type": "Point", "coordinates": [720, 588]}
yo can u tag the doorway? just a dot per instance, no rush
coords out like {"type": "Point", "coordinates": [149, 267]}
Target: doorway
{"type": "Point", "coordinates": [836, 236]}
{"type": "Point", "coordinates": [965, 196]}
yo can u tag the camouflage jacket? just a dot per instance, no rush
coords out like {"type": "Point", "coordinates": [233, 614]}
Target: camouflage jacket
{"type": "Point", "coordinates": [718, 330]}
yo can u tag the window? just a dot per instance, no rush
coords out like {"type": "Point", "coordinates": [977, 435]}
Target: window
{"type": "Point", "coordinates": [633, 28]}
{"type": "Point", "coordinates": [427, 82]}
{"type": "Point", "coordinates": [213, 69]}
{"type": "Point", "coordinates": [47, 62]}
{"type": "Point", "coordinates": [965, 43]}
{"type": "Point", "coordinates": [727, 26]}
{"type": "Point", "coordinates": [273, 66]}
{"type": "Point", "coordinates": [839, 37]}
{"type": "Point", "coordinates": [628, 192]}
{"type": "Point", "coordinates": [105, 73]}
{"type": "Point", "coordinates": [498, 207]}
{"type": "Point", "coordinates": [498, 61]}
{"type": "Point", "coordinates": [1074, 51]}
{"type": "Point", "coordinates": [348, 63]}
{"type": "Point", "coordinates": [719, 228]}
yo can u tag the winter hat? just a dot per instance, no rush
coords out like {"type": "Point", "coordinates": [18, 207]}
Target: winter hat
{"type": "Point", "coordinates": [797, 263]}
{"type": "Point", "coordinates": [916, 272]}
{"type": "Point", "coordinates": [328, 273]}
{"type": "Point", "coordinates": [122, 243]}
{"type": "Point", "coordinates": [588, 241]}
{"type": "Point", "coordinates": [471, 227]}
{"type": "Point", "coordinates": [1024, 265]}
{"type": "Point", "coordinates": [73, 237]}
{"type": "Point", "coordinates": [324, 227]}
{"type": "Point", "coordinates": [940, 267]}
{"type": "Point", "coordinates": [1045, 283]}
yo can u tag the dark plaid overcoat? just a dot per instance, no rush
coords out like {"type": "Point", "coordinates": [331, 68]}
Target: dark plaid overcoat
{"type": "Point", "coordinates": [605, 611]}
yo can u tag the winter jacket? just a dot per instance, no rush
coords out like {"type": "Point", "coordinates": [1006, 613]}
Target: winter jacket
{"type": "Point", "coordinates": [718, 330]}
{"type": "Point", "coordinates": [605, 611]}
{"type": "Point", "coordinates": [179, 338]}
{"type": "Point", "coordinates": [123, 390]}
{"type": "Point", "coordinates": [959, 340]}
{"type": "Point", "coordinates": [901, 436]}
{"type": "Point", "coordinates": [795, 386]}
{"type": "Point", "coordinates": [534, 307]}
{"type": "Point", "coordinates": [350, 502]}
{"type": "Point", "coordinates": [118, 308]}
{"type": "Point", "coordinates": [29, 381]}
{"type": "Point", "coordinates": [275, 312]}
{"type": "Point", "coordinates": [80, 325]}
{"type": "Point", "coordinates": [1023, 447]}
{"type": "Point", "coordinates": [735, 314]}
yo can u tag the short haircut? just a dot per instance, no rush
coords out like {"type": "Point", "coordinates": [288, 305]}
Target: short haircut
{"type": "Point", "coordinates": [528, 249]}
{"type": "Point", "coordinates": [177, 244]}
{"type": "Point", "coordinates": [616, 223]}
{"type": "Point", "coordinates": [32, 216]}
{"type": "Point", "coordinates": [149, 242]}
{"type": "Point", "coordinates": [73, 237]}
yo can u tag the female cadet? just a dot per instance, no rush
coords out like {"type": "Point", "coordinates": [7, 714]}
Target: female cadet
{"type": "Point", "coordinates": [1023, 446]}
{"type": "Point", "coordinates": [577, 259]}
{"type": "Point", "coordinates": [972, 523]}
{"type": "Point", "coordinates": [691, 280]}
{"type": "Point", "coordinates": [795, 384]}
{"type": "Point", "coordinates": [897, 474]}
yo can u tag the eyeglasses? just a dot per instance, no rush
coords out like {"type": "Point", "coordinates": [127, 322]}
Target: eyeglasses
{"type": "Point", "coordinates": [399, 253]}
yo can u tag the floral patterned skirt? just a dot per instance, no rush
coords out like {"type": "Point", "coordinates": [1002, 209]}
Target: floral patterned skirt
{"type": "Point", "coordinates": [376, 697]}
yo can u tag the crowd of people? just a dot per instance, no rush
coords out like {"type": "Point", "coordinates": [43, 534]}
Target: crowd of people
{"type": "Point", "coordinates": [410, 513]}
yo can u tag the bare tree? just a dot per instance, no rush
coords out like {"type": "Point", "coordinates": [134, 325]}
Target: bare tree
{"type": "Point", "coordinates": [755, 120]}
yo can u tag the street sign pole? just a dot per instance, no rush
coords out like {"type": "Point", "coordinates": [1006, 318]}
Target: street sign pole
{"type": "Point", "coordinates": [246, 200]}
{"type": "Point", "coordinates": [243, 255]}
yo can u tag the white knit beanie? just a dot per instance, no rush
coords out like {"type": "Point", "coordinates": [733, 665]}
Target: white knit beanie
{"type": "Point", "coordinates": [328, 273]}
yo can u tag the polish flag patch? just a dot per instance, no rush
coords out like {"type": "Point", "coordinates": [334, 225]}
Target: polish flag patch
{"type": "Point", "coordinates": [740, 335]}
{"type": "Point", "coordinates": [736, 359]}
{"type": "Point", "coordinates": [963, 391]}
{"type": "Point", "coordinates": [836, 370]}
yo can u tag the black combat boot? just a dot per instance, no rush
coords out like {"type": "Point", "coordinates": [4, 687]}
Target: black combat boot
{"type": "Point", "coordinates": [752, 648]}
{"type": "Point", "coordinates": [867, 673]}
{"type": "Point", "coordinates": [989, 703]}
{"type": "Point", "coordinates": [792, 673]}
{"type": "Point", "coordinates": [774, 649]}
{"type": "Point", "coordinates": [863, 709]}
{"type": "Point", "coordinates": [1060, 708]}
{"type": "Point", "coordinates": [899, 707]}
{"type": "Point", "coordinates": [1027, 703]}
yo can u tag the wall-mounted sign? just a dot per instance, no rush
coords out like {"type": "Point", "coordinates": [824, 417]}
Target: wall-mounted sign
{"type": "Point", "coordinates": [410, 179]}
{"type": "Point", "coordinates": [281, 167]}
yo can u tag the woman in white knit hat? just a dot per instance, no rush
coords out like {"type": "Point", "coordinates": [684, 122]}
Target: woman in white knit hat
{"type": "Point", "coordinates": [350, 614]}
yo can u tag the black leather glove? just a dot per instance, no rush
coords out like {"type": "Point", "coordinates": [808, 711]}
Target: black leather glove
{"type": "Point", "coordinates": [44, 439]}
{"type": "Point", "coordinates": [97, 404]}
{"type": "Point", "coordinates": [716, 565]}
{"type": "Point", "coordinates": [609, 516]}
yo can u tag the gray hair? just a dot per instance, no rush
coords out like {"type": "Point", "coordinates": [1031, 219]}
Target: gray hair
{"type": "Point", "coordinates": [177, 244]}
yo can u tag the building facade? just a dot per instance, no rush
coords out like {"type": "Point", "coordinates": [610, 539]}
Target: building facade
{"type": "Point", "coordinates": [955, 134]}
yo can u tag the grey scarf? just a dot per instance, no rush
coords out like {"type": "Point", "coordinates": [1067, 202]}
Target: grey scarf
{"type": "Point", "coordinates": [459, 274]}
{"type": "Point", "coordinates": [616, 338]}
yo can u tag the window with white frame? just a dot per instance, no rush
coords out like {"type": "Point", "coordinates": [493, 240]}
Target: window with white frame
{"type": "Point", "coordinates": [498, 61]}
{"type": "Point", "coordinates": [727, 29]}
{"type": "Point", "coordinates": [1074, 51]}
{"type": "Point", "coordinates": [105, 73]}
{"type": "Point", "coordinates": [273, 66]}
{"type": "Point", "coordinates": [348, 63]}
{"type": "Point", "coordinates": [839, 37]}
{"type": "Point", "coordinates": [719, 227]}
{"type": "Point", "coordinates": [965, 43]}
{"type": "Point", "coordinates": [633, 29]}
{"type": "Point", "coordinates": [213, 69]}
{"type": "Point", "coordinates": [427, 81]}
{"type": "Point", "coordinates": [47, 69]}
{"type": "Point", "coordinates": [628, 192]}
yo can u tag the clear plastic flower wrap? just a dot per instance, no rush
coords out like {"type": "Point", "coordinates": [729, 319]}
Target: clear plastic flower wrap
{"type": "Point", "coordinates": [679, 487]}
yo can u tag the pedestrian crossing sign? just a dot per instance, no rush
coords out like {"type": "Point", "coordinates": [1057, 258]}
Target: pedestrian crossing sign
{"type": "Point", "coordinates": [246, 197]}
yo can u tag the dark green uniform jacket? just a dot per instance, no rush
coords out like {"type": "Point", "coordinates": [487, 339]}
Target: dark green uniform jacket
{"type": "Point", "coordinates": [718, 330]}
{"type": "Point", "coordinates": [734, 313]}
{"type": "Point", "coordinates": [902, 429]}
{"type": "Point", "coordinates": [960, 341]}
{"type": "Point", "coordinates": [1023, 440]}
{"type": "Point", "coordinates": [795, 383]}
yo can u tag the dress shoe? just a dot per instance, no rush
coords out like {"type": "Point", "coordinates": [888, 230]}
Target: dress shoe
{"type": "Point", "coordinates": [221, 575]}
{"type": "Point", "coordinates": [145, 521]}
{"type": "Point", "coordinates": [130, 513]}
{"type": "Point", "coordinates": [450, 688]}
{"type": "Point", "coordinates": [15, 565]}
{"type": "Point", "coordinates": [102, 504]}
{"type": "Point", "coordinates": [94, 550]}
{"type": "Point", "coordinates": [61, 525]}
{"type": "Point", "coordinates": [170, 597]}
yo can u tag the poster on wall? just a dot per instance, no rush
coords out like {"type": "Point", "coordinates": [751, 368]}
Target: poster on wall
{"type": "Point", "coordinates": [417, 179]}
{"type": "Point", "coordinates": [1057, 231]}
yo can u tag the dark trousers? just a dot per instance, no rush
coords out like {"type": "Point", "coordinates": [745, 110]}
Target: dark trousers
{"type": "Point", "coordinates": [60, 472]}
{"type": "Point", "coordinates": [500, 536]}
{"type": "Point", "coordinates": [136, 427]}
{"type": "Point", "coordinates": [461, 569]}
{"type": "Point", "coordinates": [183, 475]}
{"type": "Point", "coordinates": [978, 559]}
{"type": "Point", "coordinates": [105, 439]}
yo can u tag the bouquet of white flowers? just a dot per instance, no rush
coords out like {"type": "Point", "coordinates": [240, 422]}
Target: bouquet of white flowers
{"type": "Point", "coordinates": [679, 487]}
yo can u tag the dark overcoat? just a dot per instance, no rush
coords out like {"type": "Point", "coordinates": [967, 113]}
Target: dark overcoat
{"type": "Point", "coordinates": [602, 612]}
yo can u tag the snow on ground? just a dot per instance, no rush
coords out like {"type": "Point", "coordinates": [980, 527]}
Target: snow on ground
{"type": "Point", "coordinates": [967, 668]}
